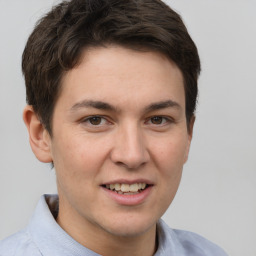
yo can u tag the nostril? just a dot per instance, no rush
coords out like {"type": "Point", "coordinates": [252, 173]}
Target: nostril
{"type": "Point", "coordinates": [130, 150]}
{"type": "Point", "coordinates": [130, 164]}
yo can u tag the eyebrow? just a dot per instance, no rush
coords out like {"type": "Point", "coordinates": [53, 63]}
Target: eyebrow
{"type": "Point", "coordinates": [162, 105]}
{"type": "Point", "coordinates": [106, 106]}
{"type": "Point", "coordinates": [92, 104]}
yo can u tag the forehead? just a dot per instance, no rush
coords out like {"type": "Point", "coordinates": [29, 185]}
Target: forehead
{"type": "Point", "coordinates": [122, 77]}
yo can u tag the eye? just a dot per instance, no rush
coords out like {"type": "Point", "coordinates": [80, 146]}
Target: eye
{"type": "Point", "coordinates": [95, 121]}
{"type": "Point", "coordinates": [159, 120]}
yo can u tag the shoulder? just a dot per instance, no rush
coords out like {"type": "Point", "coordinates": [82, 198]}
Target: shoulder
{"type": "Point", "coordinates": [19, 244]}
{"type": "Point", "coordinates": [188, 243]}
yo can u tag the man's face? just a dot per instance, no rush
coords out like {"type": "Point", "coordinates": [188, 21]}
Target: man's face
{"type": "Point", "coordinates": [119, 140]}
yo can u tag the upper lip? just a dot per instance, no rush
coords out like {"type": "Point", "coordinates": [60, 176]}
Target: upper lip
{"type": "Point", "coordinates": [126, 181]}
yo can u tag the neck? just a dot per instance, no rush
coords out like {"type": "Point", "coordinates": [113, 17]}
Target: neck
{"type": "Point", "coordinates": [144, 244]}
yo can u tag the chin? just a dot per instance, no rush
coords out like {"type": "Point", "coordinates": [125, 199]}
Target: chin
{"type": "Point", "coordinates": [130, 227]}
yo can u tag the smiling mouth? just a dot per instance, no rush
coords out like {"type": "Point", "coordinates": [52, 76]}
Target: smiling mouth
{"type": "Point", "coordinates": [127, 189]}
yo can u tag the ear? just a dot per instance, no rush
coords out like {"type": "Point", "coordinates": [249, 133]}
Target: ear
{"type": "Point", "coordinates": [39, 138]}
{"type": "Point", "coordinates": [190, 135]}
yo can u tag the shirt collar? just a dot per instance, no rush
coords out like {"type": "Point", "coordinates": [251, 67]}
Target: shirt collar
{"type": "Point", "coordinates": [48, 236]}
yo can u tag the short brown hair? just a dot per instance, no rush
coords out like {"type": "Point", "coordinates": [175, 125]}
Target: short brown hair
{"type": "Point", "coordinates": [59, 38]}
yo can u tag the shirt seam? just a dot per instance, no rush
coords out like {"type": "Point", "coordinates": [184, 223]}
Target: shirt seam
{"type": "Point", "coordinates": [30, 238]}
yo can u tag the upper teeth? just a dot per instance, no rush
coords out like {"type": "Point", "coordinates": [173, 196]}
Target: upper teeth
{"type": "Point", "coordinates": [126, 187]}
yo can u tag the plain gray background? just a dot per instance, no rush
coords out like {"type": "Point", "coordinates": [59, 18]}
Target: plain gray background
{"type": "Point", "coordinates": [217, 196]}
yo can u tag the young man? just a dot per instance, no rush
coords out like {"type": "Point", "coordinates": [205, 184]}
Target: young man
{"type": "Point", "coordinates": [111, 91]}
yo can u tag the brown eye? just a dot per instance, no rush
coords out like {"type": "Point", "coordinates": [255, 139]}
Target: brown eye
{"type": "Point", "coordinates": [157, 120]}
{"type": "Point", "coordinates": [95, 120]}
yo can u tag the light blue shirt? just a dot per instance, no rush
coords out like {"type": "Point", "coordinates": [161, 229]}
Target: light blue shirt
{"type": "Point", "coordinates": [44, 237]}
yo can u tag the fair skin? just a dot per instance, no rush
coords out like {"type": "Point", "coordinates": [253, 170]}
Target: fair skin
{"type": "Point", "coordinates": [119, 119]}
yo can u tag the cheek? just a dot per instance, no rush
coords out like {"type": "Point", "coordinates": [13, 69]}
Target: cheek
{"type": "Point", "coordinates": [76, 168]}
{"type": "Point", "coordinates": [169, 160]}
{"type": "Point", "coordinates": [77, 157]}
{"type": "Point", "coordinates": [172, 152]}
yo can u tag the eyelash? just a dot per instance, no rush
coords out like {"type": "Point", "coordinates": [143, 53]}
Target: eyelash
{"type": "Point", "coordinates": [167, 120]}
{"type": "Point", "coordinates": [149, 120]}
{"type": "Point", "coordinates": [90, 118]}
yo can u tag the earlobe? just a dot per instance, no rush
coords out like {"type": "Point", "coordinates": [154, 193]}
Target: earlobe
{"type": "Point", "coordinates": [39, 138]}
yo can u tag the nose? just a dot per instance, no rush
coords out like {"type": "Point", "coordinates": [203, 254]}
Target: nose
{"type": "Point", "coordinates": [129, 148]}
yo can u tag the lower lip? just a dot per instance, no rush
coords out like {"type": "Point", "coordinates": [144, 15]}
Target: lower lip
{"type": "Point", "coordinates": [123, 199]}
